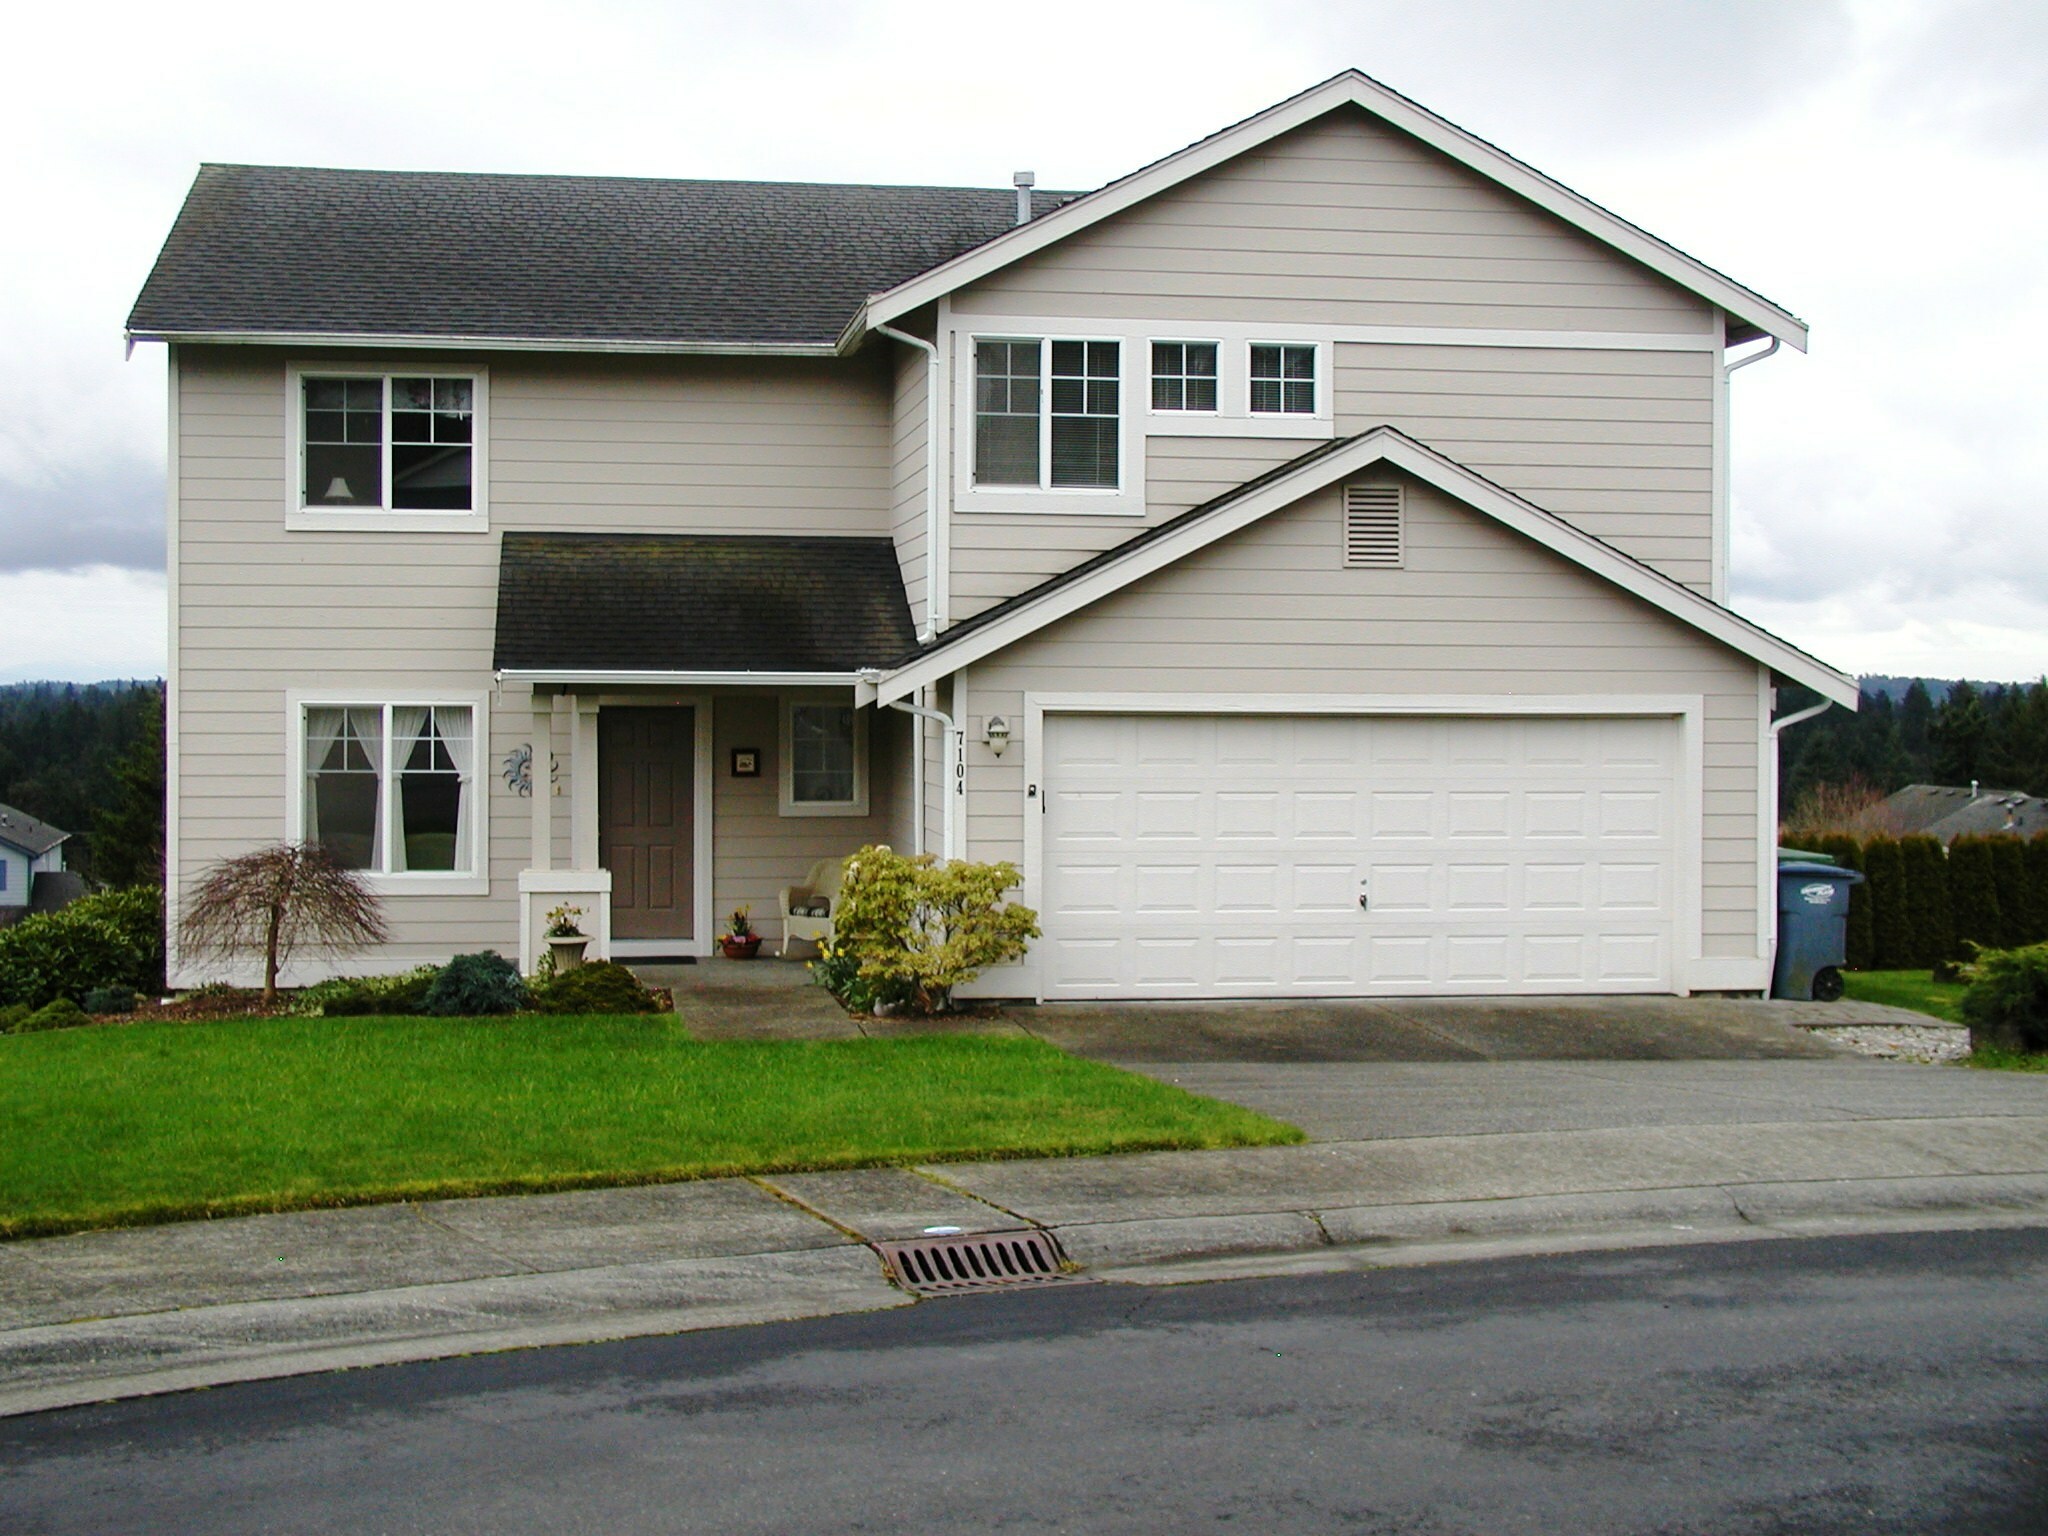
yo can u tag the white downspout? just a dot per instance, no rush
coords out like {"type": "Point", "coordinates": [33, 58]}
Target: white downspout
{"type": "Point", "coordinates": [934, 617]}
{"type": "Point", "coordinates": [955, 753]}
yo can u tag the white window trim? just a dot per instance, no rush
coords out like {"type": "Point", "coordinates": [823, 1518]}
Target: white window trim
{"type": "Point", "coordinates": [1160, 422]}
{"type": "Point", "coordinates": [786, 803]}
{"type": "Point", "coordinates": [476, 882]}
{"type": "Point", "coordinates": [1127, 499]}
{"type": "Point", "coordinates": [300, 518]}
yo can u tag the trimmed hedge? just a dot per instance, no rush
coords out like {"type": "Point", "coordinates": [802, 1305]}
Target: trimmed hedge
{"type": "Point", "coordinates": [1891, 934]}
{"type": "Point", "coordinates": [1973, 894]}
{"type": "Point", "coordinates": [1932, 920]}
{"type": "Point", "coordinates": [114, 939]}
{"type": "Point", "coordinates": [1921, 906]}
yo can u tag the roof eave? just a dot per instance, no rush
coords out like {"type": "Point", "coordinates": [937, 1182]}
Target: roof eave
{"type": "Point", "coordinates": [584, 677]}
{"type": "Point", "coordinates": [391, 341]}
{"type": "Point", "coordinates": [1410, 117]}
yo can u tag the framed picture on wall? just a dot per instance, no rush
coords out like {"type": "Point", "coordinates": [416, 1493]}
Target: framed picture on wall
{"type": "Point", "coordinates": [746, 762]}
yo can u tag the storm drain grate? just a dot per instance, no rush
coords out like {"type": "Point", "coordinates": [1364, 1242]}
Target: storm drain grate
{"type": "Point", "coordinates": [976, 1261]}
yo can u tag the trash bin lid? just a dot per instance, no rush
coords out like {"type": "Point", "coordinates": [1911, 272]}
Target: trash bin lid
{"type": "Point", "coordinates": [1820, 869]}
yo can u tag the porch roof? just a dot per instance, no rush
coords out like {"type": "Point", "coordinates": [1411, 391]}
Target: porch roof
{"type": "Point", "coordinates": [592, 603]}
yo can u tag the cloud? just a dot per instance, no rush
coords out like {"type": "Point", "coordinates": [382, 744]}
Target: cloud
{"type": "Point", "coordinates": [83, 626]}
{"type": "Point", "coordinates": [87, 514]}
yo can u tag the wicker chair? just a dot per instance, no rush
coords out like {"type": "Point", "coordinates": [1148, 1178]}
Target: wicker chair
{"type": "Point", "coordinates": [820, 889]}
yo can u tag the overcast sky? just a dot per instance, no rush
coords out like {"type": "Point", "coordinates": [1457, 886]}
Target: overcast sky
{"type": "Point", "coordinates": [1880, 167]}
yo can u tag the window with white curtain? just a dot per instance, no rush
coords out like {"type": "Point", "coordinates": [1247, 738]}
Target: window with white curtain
{"type": "Point", "coordinates": [824, 758]}
{"type": "Point", "coordinates": [390, 788]}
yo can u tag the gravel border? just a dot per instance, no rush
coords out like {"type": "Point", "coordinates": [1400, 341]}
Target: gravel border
{"type": "Point", "coordinates": [1930, 1042]}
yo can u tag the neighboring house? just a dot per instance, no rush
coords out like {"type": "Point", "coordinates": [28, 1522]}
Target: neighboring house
{"type": "Point", "coordinates": [1304, 558]}
{"type": "Point", "coordinates": [1946, 812]}
{"type": "Point", "coordinates": [28, 848]}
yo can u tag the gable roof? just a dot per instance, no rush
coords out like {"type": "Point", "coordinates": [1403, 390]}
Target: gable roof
{"type": "Point", "coordinates": [1948, 812]}
{"type": "Point", "coordinates": [1354, 88]}
{"type": "Point", "coordinates": [282, 253]}
{"type": "Point", "coordinates": [20, 830]}
{"type": "Point", "coordinates": [1007, 622]}
{"type": "Point", "coordinates": [573, 606]}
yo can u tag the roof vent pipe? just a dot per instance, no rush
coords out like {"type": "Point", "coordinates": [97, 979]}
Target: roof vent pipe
{"type": "Point", "coordinates": [1024, 181]}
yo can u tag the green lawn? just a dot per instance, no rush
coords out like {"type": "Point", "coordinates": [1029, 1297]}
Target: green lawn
{"type": "Point", "coordinates": [1907, 989]}
{"type": "Point", "coordinates": [126, 1124]}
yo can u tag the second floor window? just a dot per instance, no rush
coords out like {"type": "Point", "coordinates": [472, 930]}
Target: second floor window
{"type": "Point", "coordinates": [1048, 414]}
{"type": "Point", "coordinates": [1283, 380]}
{"type": "Point", "coordinates": [397, 442]}
{"type": "Point", "coordinates": [1184, 376]}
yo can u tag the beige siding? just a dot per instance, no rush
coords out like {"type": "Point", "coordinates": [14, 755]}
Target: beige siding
{"type": "Point", "coordinates": [1343, 221]}
{"type": "Point", "coordinates": [613, 444]}
{"type": "Point", "coordinates": [1476, 611]}
{"type": "Point", "coordinates": [908, 514]}
{"type": "Point", "coordinates": [1348, 222]}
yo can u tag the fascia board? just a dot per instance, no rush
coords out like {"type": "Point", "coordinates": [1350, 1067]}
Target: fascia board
{"type": "Point", "coordinates": [486, 343]}
{"type": "Point", "coordinates": [1358, 90]}
{"type": "Point", "coordinates": [1382, 446]}
{"type": "Point", "coordinates": [605, 677]}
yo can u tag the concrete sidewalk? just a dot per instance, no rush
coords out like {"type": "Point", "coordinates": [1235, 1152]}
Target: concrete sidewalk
{"type": "Point", "coordinates": [1417, 1161]}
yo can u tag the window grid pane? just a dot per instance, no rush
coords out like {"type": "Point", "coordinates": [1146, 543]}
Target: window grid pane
{"type": "Point", "coordinates": [344, 442]}
{"type": "Point", "coordinates": [1086, 379]}
{"type": "Point", "coordinates": [1283, 379]}
{"type": "Point", "coordinates": [431, 425]}
{"type": "Point", "coordinates": [1183, 375]}
{"type": "Point", "coordinates": [821, 754]}
{"type": "Point", "coordinates": [1006, 413]}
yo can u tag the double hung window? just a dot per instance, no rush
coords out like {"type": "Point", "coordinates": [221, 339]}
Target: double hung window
{"type": "Point", "coordinates": [824, 759]}
{"type": "Point", "coordinates": [390, 788]}
{"type": "Point", "coordinates": [1184, 376]}
{"type": "Point", "coordinates": [1283, 379]}
{"type": "Point", "coordinates": [1048, 414]}
{"type": "Point", "coordinates": [388, 442]}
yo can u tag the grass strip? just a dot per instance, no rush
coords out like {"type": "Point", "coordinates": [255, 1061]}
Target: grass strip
{"type": "Point", "coordinates": [121, 1125]}
{"type": "Point", "coordinates": [1907, 989]}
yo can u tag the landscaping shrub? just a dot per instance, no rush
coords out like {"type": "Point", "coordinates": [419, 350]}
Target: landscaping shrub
{"type": "Point", "coordinates": [598, 987]}
{"type": "Point", "coordinates": [346, 997]}
{"type": "Point", "coordinates": [2009, 873]}
{"type": "Point", "coordinates": [113, 939]}
{"type": "Point", "coordinates": [2006, 1005]}
{"type": "Point", "coordinates": [61, 1013]}
{"type": "Point", "coordinates": [473, 985]}
{"type": "Point", "coordinates": [13, 1016]}
{"type": "Point", "coordinates": [1973, 896]}
{"type": "Point", "coordinates": [1861, 941]}
{"type": "Point", "coordinates": [1927, 903]}
{"type": "Point", "coordinates": [109, 1000]}
{"type": "Point", "coordinates": [837, 970]}
{"type": "Point", "coordinates": [917, 929]}
{"type": "Point", "coordinates": [1884, 875]}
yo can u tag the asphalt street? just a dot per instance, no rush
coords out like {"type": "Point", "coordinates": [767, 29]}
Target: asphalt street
{"type": "Point", "coordinates": [1869, 1384]}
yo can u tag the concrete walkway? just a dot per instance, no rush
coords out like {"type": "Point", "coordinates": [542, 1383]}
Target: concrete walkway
{"type": "Point", "coordinates": [1416, 1161]}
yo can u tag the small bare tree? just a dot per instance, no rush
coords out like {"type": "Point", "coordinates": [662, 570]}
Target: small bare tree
{"type": "Point", "coordinates": [277, 900]}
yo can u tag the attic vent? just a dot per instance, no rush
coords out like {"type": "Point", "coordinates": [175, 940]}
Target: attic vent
{"type": "Point", "coordinates": [1372, 526]}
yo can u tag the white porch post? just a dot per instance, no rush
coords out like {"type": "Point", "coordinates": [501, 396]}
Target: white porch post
{"type": "Point", "coordinates": [539, 772]}
{"type": "Point", "coordinates": [583, 772]}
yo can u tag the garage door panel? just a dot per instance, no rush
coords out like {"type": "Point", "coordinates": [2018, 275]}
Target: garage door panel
{"type": "Point", "coordinates": [1190, 856]}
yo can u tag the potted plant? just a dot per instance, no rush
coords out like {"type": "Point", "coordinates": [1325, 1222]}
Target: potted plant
{"type": "Point", "coordinates": [740, 942]}
{"type": "Point", "coordinates": [566, 940]}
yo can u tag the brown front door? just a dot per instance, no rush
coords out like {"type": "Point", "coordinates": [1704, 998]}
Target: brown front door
{"type": "Point", "coordinates": [646, 819]}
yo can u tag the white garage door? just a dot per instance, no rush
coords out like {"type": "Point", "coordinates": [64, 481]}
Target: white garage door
{"type": "Point", "coordinates": [1226, 855]}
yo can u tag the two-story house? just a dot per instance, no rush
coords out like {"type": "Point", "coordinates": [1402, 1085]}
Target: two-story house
{"type": "Point", "coordinates": [1304, 557]}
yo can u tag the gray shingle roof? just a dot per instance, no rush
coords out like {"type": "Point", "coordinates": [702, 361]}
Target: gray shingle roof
{"type": "Point", "coordinates": [286, 250]}
{"type": "Point", "coordinates": [699, 603]}
{"type": "Point", "coordinates": [1950, 811]}
{"type": "Point", "coordinates": [20, 830]}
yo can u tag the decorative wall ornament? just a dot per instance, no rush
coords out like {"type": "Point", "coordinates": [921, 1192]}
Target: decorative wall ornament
{"type": "Point", "coordinates": [518, 770]}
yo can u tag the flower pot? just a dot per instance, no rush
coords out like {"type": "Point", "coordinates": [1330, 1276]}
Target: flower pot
{"type": "Point", "coordinates": [741, 949]}
{"type": "Point", "coordinates": [567, 949]}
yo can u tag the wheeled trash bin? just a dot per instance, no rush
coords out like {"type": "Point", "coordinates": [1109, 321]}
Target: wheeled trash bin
{"type": "Point", "coordinates": [1813, 928]}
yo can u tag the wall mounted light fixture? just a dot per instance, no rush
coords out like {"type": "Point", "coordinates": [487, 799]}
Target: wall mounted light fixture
{"type": "Point", "coordinates": [997, 733]}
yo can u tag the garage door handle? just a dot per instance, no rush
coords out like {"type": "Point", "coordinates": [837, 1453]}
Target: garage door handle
{"type": "Point", "coordinates": [1364, 902]}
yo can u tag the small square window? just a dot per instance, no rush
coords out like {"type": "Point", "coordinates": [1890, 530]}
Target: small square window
{"type": "Point", "coordinates": [1283, 380]}
{"type": "Point", "coordinates": [1184, 376]}
{"type": "Point", "coordinates": [824, 751]}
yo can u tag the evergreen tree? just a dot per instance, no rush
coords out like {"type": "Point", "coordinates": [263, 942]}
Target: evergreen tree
{"type": "Point", "coordinates": [127, 836]}
{"type": "Point", "coordinates": [1927, 901]}
{"type": "Point", "coordinates": [1961, 727]}
{"type": "Point", "coordinates": [2037, 885]}
{"type": "Point", "coordinates": [1884, 881]}
{"type": "Point", "coordinates": [1973, 896]}
{"type": "Point", "coordinates": [2015, 892]}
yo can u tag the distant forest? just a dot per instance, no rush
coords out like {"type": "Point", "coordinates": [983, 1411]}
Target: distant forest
{"type": "Point", "coordinates": [1919, 731]}
{"type": "Point", "coordinates": [89, 758]}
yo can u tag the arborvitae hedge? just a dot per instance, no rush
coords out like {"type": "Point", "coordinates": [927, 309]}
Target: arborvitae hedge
{"type": "Point", "coordinates": [1861, 939]}
{"type": "Point", "coordinates": [1927, 904]}
{"type": "Point", "coordinates": [1884, 877]}
{"type": "Point", "coordinates": [2015, 892]}
{"type": "Point", "coordinates": [2037, 879]}
{"type": "Point", "coordinates": [1973, 895]}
